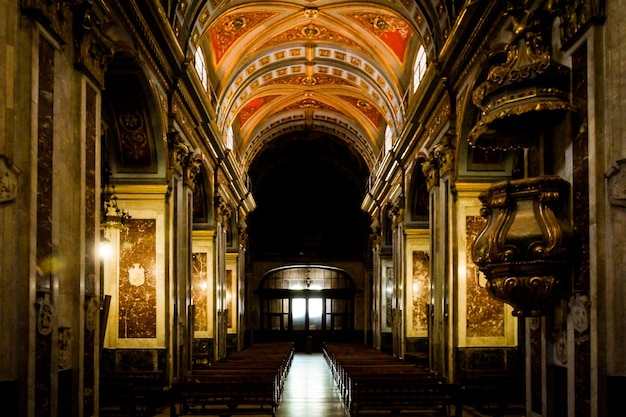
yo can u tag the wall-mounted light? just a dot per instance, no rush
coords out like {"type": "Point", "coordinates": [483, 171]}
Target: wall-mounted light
{"type": "Point", "coordinates": [104, 250]}
{"type": "Point", "coordinates": [113, 217]}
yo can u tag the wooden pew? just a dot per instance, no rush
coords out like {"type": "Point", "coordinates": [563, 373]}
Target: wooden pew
{"type": "Point", "coordinates": [247, 382]}
{"type": "Point", "coordinates": [225, 397]}
{"type": "Point", "coordinates": [428, 396]}
{"type": "Point", "coordinates": [372, 382]}
{"type": "Point", "coordinates": [493, 391]}
{"type": "Point", "coordinates": [131, 393]}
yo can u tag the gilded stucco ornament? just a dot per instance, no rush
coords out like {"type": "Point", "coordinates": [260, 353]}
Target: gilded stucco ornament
{"type": "Point", "coordinates": [527, 92]}
{"type": "Point", "coordinates": [524, 249]}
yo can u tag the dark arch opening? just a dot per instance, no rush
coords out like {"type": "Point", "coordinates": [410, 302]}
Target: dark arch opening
{"type": "Point", "coordinates": [308, 187]}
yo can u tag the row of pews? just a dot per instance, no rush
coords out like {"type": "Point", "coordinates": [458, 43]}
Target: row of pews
{"type": "Point", "coordinates": [131, 393]}
{"type": "Point", "coordinates": [248, 382]}
{"type": "Point", "coordinates": [371, 382]}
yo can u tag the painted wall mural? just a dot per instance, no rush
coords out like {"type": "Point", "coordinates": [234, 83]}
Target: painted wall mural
{"type": "Point", "coordinates": [199, 288]}
{"type": "Point", "coordinates": [485, 316]}
{"type": "Point", "coordinates": [420, 290]}
{"type": "Point", "coordinates": [137, 280]}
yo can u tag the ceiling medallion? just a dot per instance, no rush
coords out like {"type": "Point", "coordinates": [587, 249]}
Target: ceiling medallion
{"type": "Point", "coordinates": [380, 24]}
{"type": "Point", "coordinates": [311, 12]}
{"type": "Point", "coordinates": [362, 104]}
{"type": "Point", "coordinates": [310, 31]}
{"type": "Point", "coordinates": [236, 24]}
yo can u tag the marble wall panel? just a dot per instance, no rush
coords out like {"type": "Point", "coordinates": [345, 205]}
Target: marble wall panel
{"type": "Point", "coordinates": [137, 280]}
{"type": "Point", "coordinates": [388, 296]}
{"type": "Point", "coordinates": [229, 299]}
{"type": "Point", "coordinates": [199, 287]}
{"type": "Point", "coordinates": [91, 301]}
{"type": "Point", "coordinates": [420, 291]}
{"type": "Point", "coordinates": [582, 276]}
{"type": "Point", "coordinates": [485, 315]}
{"type": "Point", "coordinates": [45, 307]}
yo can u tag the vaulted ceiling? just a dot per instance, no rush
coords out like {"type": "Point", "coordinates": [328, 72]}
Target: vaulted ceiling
{"type": "Point", "coordinates": [336, 67]}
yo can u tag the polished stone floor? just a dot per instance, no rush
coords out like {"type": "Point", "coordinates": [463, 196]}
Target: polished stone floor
{"type": "Point", "coordinates": [310, 390]}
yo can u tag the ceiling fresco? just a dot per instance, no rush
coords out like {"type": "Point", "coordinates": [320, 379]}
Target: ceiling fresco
{"type": "Point", "coordinates": [336, 67]}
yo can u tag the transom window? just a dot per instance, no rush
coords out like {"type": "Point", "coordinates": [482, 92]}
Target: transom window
{"type": "Point", "coordinates": [307, 298]}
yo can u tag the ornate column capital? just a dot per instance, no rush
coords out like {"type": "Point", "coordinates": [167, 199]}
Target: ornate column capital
{"type": "Point", "coordinates": [223, 210]}
{"type": "Point", "coordinates": [440, 162]}
{"type": "Point", "coordinates": [191, 169]}
{"type": "Point", "coordinates": [396, 212]}
{"type": "Point", "coordinates": [243, 236]}
{"type": "Point", "coordinates": [93, 49]}
{"type": "Point", "coordinates": [444, 153]}
{"type": "Point", "coordinates": [179, 152]}
{"type": "Point", "coordinates": [430, 168]}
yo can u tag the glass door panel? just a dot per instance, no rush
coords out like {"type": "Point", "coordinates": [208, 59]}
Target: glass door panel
{"type": "Point", "coordinates": [298, 310]}
{"type": "Point", "coordinates": [315, 313]}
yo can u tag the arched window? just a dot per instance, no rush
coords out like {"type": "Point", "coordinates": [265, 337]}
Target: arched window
{"type": "Point", "coordinates": [388, 139]}
{"type": "Point", "coordinates": [229, 138]}
{"type": "Point", "coordinates": [419, 68]}
{"type": "Point", "coordinates": [201, 68]}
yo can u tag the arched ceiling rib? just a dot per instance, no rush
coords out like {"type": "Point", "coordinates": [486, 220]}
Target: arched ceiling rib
{"type": "Point", "coordinates": [328, 66]}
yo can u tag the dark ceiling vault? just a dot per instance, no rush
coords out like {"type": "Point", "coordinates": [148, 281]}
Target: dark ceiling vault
{"type": "Point", "coordinates": [308, 190]}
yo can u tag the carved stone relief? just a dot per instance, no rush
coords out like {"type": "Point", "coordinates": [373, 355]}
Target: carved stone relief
{"type": "Point", "coordinates": [617, 183]}
{"type": "Point", "coordinates": [8, 180]}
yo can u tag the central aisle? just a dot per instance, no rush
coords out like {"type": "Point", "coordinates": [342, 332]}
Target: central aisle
{"type": "Point", "coordinates": [310, 390]}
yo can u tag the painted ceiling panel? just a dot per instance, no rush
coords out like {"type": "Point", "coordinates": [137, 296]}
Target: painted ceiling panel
{"type": "Point", "coordinates": [317, 65]}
